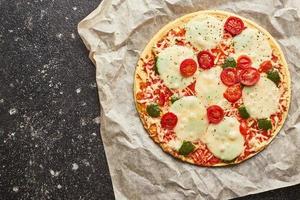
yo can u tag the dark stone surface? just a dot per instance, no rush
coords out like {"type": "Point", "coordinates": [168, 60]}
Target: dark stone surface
{"type": "Point", "coordinates": [49, 112]}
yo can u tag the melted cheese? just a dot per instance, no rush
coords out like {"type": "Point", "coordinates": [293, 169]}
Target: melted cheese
{"type": "Point", "coordinates": [224, 140]}
{"type": "Point", "coordinates": [253, 43]}
{"type": "Point", "coordinates": [256, 145]}
{"type": "Point", "coordinates": [192, 121]}
{"type": "Point", "coordinates": [175, 144]}
{"type": "Point", "coordinates": [209, 87]}
{"type": "Point", "coordinates": [261, 100]}
{"type": "Point", "coordinates": [168, 65]}
{"type": "Point", "coordinates": [204, 32]}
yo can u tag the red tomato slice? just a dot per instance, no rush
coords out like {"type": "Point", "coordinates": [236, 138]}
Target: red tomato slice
{"type": "Point", "coordinates": [234, 25]}
{"type": "Point", "coordinates": [168, 120]}
{"type": "Point", "coordinates": [244, 62]}
{"type": "Point", "coordinates": [265, 66]}
{"type": "Point", "coordinates": [215, 114]}
{"type": "Point", "coordinates": [233, 93]}
{"type": "Point", "coordinates": [229, 76]}
{"type": "Point", "coordinates": [243, 128]}
{"type": "Point", "coordinates": [249, 76]}
{"type": "Point", "coordinates": [188, 67]}
{"type": "Point", "coordinates": [205, 59]}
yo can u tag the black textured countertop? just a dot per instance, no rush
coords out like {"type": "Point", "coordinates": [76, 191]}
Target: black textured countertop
{"type": "Point", "coordinates": [49, 112]}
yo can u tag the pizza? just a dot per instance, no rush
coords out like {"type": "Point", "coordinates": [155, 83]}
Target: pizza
{"type": "Point", "coordinates": [212, 88]}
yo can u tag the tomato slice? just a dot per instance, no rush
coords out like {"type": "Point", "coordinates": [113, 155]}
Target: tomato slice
{"type": "Point", "coordinates": [188, 67]}
{"type": "Point", "coordinates": [244, 62]}
{"type": "Point", "coordinates": [229, 76]}
{"type": "Point", "coordinates": [265, 66]}
{"type": "Point", "coordinates": [233, 93]}
{"type": "Point", "coordinates": [243, 128]}
{"type": "Point", "coordinates": [205, 59]}
{"type": "Point", "coordinates": [215, 114]}
{"type": "Point", "coordinates": [249, 76]}
{"type": "Point", "coordinates": [234, 25]}
{"type": "Point", "coordinates": [168, 120]}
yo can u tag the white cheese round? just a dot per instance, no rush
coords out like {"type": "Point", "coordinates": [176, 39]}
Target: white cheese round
{"type": "Point", "coordinates": [204, 32]}
{"type": "Point", "coordinates": [192, 120]}
{"type": "Point", "coordinates": [209, 87]}
{"type": "Point", "coordinates": [261, 100]}
{"type": "Point", "coordinates": [254, 44]}
{"type": "Point", "coordinates": [168, 66]}
{"type": "Point", "coordinates": [224, 139]}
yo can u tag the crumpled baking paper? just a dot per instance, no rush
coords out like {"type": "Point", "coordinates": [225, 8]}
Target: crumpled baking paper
{"type": "Point", "coordinates": [115, 34]}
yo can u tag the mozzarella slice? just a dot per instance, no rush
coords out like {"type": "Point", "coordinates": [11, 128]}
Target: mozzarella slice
{"type": "Point", "coordinates": [254, 44]}
{"type": "Point", "coordinates": [204, 32]}
{"type": "Point", "coordinates": [168, 65]}
{"type": "Point", "coordinates": [209, 87]}
{"type": "Point", "coordinates": [224, 140]}
{"type": "Point", "coordinates": [192, 121]}
{"type": "Point", "coordinates": [261, 100]}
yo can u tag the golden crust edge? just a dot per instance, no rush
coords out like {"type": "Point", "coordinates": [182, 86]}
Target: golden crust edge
{"type": "Point", "coordinates": [179, 21]}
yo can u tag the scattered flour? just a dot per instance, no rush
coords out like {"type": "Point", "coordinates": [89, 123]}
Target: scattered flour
{"type": "Point", "coordinates": [97, 120]}
{"type": "Point", "coordinates": [12, 111]}
{"type": "Point", "coordinates": [59, 35]}
{"type": "Point", "coordinates": [15, 188]}
{"type": "Point", "coordinates": [54, 173]}
{"type": "Point", "coordinates": [78, 90]}
{"type": "Point", "coordinates": [75, 166]}
{"type": "Point", "coordinates": [83, 122]}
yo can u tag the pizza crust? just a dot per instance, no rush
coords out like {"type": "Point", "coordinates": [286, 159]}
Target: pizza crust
{"type": "Point", "coordinates": [138, 77]}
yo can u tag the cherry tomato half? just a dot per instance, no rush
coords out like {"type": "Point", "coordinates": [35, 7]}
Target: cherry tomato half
{"type": "Point", "coordinates": [205, 59]}
{"type": "Point", "coordinates": [229, 76]}
{"type": "Point", "coordinates": [233, 93]}
{"type": "Point", "coordinates": [168, 120]}
{"type": "Point", "coordinates": [188, 67]}
{"type": "Point", "coordinates": [249, 76]}
{"type": "Point", "coordinates": [265, 66]}
{"type": "Point", "coordinates": [234, 25]}
{"type": "Point", "coordinates": [244, 62]}
{"type": "Point", "coordinates": [215, 114]}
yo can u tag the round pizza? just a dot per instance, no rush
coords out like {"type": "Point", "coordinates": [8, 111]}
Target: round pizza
{"type": "Point", "coordinates": [212, 88]}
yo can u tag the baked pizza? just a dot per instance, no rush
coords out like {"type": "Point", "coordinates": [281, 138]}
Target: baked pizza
{"type": "Point", "coordinates": [212, 88]}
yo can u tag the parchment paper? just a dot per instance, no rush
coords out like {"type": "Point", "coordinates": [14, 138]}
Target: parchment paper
{"type": "Point", "coordinates": [116, 33]}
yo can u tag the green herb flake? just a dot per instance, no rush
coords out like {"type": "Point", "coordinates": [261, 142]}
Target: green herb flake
{"type": "Point", "coordinates": [264, 124]}
{"type": "Point", "coordinates": [174, 98]}
{"type": "Point", "coordinates": [153, 110]}
{"type": "Point", "coordinates": [243, 112]}
{"type": "Point", "coordinates": [229, 62]}
{"type": "Point", "coordinates": [274, 76]}
{"type": "Point", "coordinates": [186, 148]}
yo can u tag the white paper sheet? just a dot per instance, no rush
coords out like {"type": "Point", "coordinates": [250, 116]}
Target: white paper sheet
{"type": "Point", "coordinates": [115, 34]}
